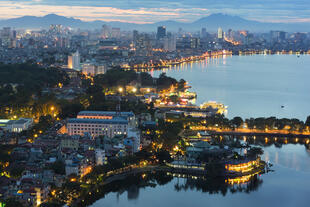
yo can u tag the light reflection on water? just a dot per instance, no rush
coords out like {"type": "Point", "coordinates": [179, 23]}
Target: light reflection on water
{"type": "Point", "coordinates": [290, 156]}
{"type": "Point", "coordinates": [287, 186]}
{"type": "Point", "coordinates": [251, 86]}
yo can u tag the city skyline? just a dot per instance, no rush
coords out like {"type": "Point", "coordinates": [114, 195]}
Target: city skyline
{"type": "Point", "coordinates": [141, 12]}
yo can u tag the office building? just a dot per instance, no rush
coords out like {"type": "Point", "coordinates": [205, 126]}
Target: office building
{"type": "Point", "coordinates": [161, 32]}
{"type": "Point", "coordinates": [74, 61]}
{"type": "Point", "coordinates": [129, 116]}
{"type": "Point", "coordinates": [220, 34]}
{"type": "Point", "coordinates": [98, 127]}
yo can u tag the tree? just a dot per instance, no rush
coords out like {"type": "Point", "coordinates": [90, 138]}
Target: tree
{"type": "Point", "coordinates": [58, 167]}
{"type": "Point", "coordinates": [307, 123]}
{"type": "Point", "coordinates": [237, 121]}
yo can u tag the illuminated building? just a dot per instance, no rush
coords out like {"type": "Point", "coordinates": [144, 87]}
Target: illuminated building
{"type": "Point", "coordinates": [220, 34]}
{"type": "Point", "coordinates": [242, 165]}
{"type": "Point", "coordinates": [100, 157]}
{"type": "Point", "coordinates": [97, 127]}
{"type": "Point", "coordinates": [106, 31]}
{"type": "Point", "coordinates": [92, 69]}
{"type": "Point", "coordinates": [129, 116]}
{"type": "Point", "coordinates": [74, 61]}
{"type": "Point", "coordinates": [15, 125]}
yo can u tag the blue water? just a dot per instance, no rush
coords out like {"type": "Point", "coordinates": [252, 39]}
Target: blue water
{"type": "Point", "coordinates": [251, 86]}
{"type": "Point", "coordinates": [287, 186]}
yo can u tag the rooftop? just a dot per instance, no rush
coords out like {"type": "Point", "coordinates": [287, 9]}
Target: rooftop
{"type": "Point", "coordinates": [105, 113]}
{"type": "Point", "coordinates": [116, 120]}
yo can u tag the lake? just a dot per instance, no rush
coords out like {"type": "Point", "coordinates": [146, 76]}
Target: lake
{"type": "Point", "coordinates": [287, 186]}
{"type": "Point", "coordinates": [251, 86]}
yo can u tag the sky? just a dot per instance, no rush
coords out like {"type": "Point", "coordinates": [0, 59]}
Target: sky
{"type": "Point", "coordinates": [150, 11]}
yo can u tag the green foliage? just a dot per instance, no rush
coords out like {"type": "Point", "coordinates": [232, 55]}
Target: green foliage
{"type": "Point", "coordinates": [18, 83]}
{"type": "Point", "coordinates": [164, 81]}
{"type": "Point", "coordinates": [70, 110]}
{"type": "Point", "coordinates": [115, 77]}
{"type": "Point", "coordinates": [51, 204]}
{"type": "Point", "coordinates": [146, 79]}
{"type": "Point", "coordinates": [163, 156]}
{"type": "Point", "coordinates": [307, 123]}
{"type": "Point", "coordinates": [11, 202]}
{"type": "Point", "coordinates": [237, 121]}
{"type": "Point", "coordinates": [58, 167]}
{"type": "Point", "coordinates": [16, 171]}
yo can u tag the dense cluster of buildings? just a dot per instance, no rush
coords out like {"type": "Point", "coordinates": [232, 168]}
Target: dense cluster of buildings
{"type": "Point", "coordinates": [71, 149]}
{"type": "Point", "coordinates": [95, 51]}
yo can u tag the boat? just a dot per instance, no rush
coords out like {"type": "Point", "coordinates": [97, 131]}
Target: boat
{"type": "Point", "coordinates": [221, 108]}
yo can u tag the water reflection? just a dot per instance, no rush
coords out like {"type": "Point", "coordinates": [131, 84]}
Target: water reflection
{"type": "Point", "coordinates": [287, 152]}
{"type": "Point", "coordinates": [219, 185]}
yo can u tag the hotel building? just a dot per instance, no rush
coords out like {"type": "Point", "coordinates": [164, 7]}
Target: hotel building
{"type": "Point", "coordinates": [96, 127]}
{"type": "Point", "coordinates": [129, 116]}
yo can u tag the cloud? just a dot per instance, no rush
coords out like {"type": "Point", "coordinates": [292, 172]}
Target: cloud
{"type": "Point", "coordinates": [159, 10]}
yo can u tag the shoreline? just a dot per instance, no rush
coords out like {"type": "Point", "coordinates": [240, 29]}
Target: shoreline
{"type": "Point", "coordinates": [150, 67]}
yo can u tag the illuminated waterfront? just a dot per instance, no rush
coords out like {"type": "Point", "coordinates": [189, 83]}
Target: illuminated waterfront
{"type": "Point", "coordinates": [251, 86]}
{"type": "Point", "coordinates": [287, 186]}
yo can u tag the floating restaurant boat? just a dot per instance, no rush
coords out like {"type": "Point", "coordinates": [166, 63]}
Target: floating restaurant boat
{"type": "Point", "coordinates": [221, 108]}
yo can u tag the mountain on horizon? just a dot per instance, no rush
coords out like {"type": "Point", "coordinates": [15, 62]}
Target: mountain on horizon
{"type": "Point", "coordinates": [211, 22]}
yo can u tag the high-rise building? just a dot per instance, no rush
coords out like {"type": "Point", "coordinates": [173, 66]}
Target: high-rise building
{"type": "Point", "coordinates": [6, 36]}
{"type": "Point", "coordinates": [161, 32]}
{"type": "Point", "coordinates": [116, 33]}
{"type": "Point", "coordinates": [106, 31]}
{"type": "Point", "coordinates": [142, 44]}
{"type": "Point", "coordinates": [74, 61]}
{"type": "Point", "coordinates": [194, 42]}
{"type": "Point", "coordinates": [220, 34]}
{"type": "Point", "coordinates": [170, 43]}
{"type": "Point", "coordinates": [203, 33]}
{"type": "Point", "coordinates": [277, 36]}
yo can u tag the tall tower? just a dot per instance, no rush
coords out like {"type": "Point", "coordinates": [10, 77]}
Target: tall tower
{"type": "Point", "coordinates": [74, 61]}
{"type": "Point", "coordinates": [161, 32]}
{"type": "Point", "coordinates": [220, 33]}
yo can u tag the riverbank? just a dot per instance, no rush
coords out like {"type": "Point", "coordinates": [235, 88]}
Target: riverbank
{"type": "Point", "coordinates": [265, 134]}
{"type": "Point", "coordinates": [160, 169]}
{"type": "Point", "coordinates": [164, 64]}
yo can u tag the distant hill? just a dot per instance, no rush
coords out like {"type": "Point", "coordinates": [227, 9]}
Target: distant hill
{"type": "Point", "coordinates": [211, 22]}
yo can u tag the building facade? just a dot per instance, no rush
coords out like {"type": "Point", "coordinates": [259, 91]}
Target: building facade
{"type": "Point", "coordinates": [97, 127]}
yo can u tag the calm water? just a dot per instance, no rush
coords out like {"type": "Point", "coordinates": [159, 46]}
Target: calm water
{"type": "Point", "coordinates": [287, 186]}
{"type": "Point", "coordinates": [252, 86]}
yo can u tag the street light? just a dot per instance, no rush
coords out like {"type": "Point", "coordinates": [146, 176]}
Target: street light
{"type": "Point", "coordinates": [52, 108]}
{"type": "Point", "coordinates": [120, 89]}
{"type": "Point", "coordinates": [134, 90]}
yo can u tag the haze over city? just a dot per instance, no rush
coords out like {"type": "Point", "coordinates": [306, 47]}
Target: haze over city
{"type": "Point", "coordinates": [134, 103]}
{"type": "Point", "coordinates": [150, 11]}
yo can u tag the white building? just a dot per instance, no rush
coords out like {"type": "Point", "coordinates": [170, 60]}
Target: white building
{"type": "Point", "coordinates": [92, 69]}
{"type": "Point", "coordinates": [129, 116]}
{"type": "Point", "coordinates": [100, 157]}
{"type": "Point", "coordinates": [170, 43]}
{"type": "Point", "coordinates": [116, 33]}
{"type": "Point", "coordinates": [220, 33]}
{"type": "Point", "coordinates": [15, 125]}
{"type": "Point", "coordinates": [135, 136]}
{"type": "Point", "coordinates": [74, 61]}
{"type": "Point", "coordinates": [96, 127]}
